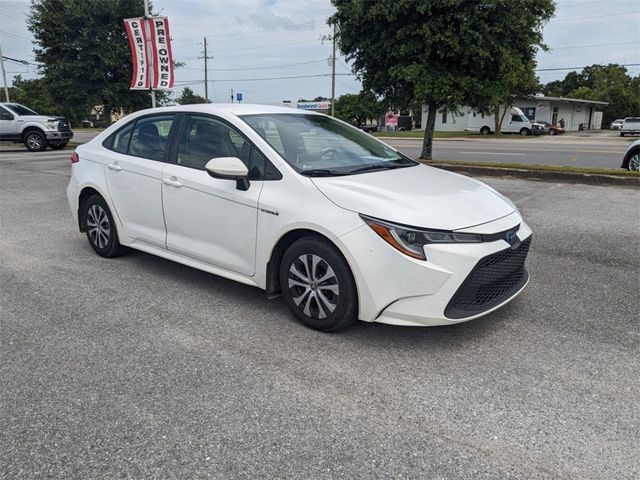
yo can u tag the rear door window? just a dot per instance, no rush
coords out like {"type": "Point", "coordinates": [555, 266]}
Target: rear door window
{"type": "Point", "coordinates": [149, 137]}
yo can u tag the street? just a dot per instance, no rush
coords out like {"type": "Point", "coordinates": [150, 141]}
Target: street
{"type": "Point", "coordinates": [601, 151]}
{"type": "Point", "coordinates": [137, 367]}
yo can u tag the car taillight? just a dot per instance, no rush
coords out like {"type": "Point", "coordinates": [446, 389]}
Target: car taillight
{"type": "Point", "coordinates": [75, 158]}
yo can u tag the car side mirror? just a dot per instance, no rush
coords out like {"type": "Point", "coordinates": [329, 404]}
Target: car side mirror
{"type": "Point", "coordinates": [229, 168]}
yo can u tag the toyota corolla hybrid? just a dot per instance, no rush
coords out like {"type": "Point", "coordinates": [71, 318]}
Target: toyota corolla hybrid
{"type": "Point", "coordinates": [343, 226]}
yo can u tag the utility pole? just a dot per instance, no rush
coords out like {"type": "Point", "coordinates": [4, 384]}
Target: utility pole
{"type": "Point", "coordinates": [206, 70]}
{"type": "Point", "coordinates": [232, 95]}
{"type": "Point", "coordinates": [4, 77]}
{"type": "Point", "coordinates": [149, 53]}
{"type": "Point", "coordinates": [333, 73]}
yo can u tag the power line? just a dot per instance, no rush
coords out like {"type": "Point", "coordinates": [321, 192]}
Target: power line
{"type": "Point", "coordinates": [594, 45]}
{"type": "Point", "coordinates": [562, 5]}
{"type": "Point", "coordinates": [271, 35]}
{"type": "Point", "coordinates": [16, 37]}
{"type": "Point", "coordinates": [311, 22]}
{"type": "Point", "coordinates": [14, 9]}
{"type": "Point", "coordinates": [579, 68]}
{"type": "Point", "coordinates": [195, 82]}
{"type": "Point", "coordinates": [573, 19]}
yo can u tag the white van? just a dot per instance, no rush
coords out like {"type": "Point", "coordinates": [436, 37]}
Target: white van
{"type": "Point", "coordinates": [515, 121]}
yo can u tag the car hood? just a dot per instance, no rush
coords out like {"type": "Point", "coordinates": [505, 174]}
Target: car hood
{"type": "Point", "coordinates": [40, 118]}
{"type": "Point", "coordinates": [418, 196]}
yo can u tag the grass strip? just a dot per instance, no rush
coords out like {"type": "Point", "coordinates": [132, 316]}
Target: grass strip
{"type": "Point", "coordinates": [536, 167]}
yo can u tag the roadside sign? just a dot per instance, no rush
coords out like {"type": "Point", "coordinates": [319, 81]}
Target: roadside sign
{"type": "Point", "coordinates": [238, 97]}
{"type": "Point", "coordinates": [150, 45]}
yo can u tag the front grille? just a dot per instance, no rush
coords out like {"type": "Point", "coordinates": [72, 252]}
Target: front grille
{"type": "Point", "coordinates": [63, 125]}
{"type": "Point", "coordinates": [494, 279]}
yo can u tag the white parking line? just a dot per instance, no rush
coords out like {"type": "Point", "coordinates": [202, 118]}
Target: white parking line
{"type": "Point", "coordinates": [491, 153]}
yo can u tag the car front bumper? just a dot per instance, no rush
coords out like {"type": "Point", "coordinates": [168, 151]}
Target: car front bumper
{"type": "Point", "coordinates": [59, 137]}
{"type": "Point", "coordinates": [396, 289]}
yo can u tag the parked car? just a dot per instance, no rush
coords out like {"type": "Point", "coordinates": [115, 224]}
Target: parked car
{"type": "Point", "coordinates": [631, 159]}
{"type": "Point", "coordinates": [369, 128]}
{"type": "Point", "coordinates": [515, 121]}
{"type": "Point", "coordinates": [300, 204]}
{"type": "Point", "coordinates": [630, 126]}
{"type": "Point", "coordinates": [19, 124]}
{"type": "Point", "coordinates": [550, 128]}
{"type": "Point", "coordinates": [617, 124]}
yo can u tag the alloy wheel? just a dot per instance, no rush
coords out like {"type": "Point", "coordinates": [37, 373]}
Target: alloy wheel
{"type": "Point", "coordinates": [313, 286]}
{"type": "Point", "coordinates": [34, 141]}
{"type": "Point", "coordinates": [98, 226]}
{"type": "Point", "coordinates": [634, 162]}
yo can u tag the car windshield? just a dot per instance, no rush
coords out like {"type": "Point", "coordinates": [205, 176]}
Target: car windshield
{"type": "Point", "coordinates": [318, 145]}
{"type": "Point", "coordinates": [20, 110]}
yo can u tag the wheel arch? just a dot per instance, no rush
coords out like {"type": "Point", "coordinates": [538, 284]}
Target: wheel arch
{"type": "Point", "coordinates": [628, 155]}
{"type": "Point", "coordinates": [87, 191]}
{"type": "Point", "coordinates": [31, 128]}
{"type": "Point", "coordinates": [272, 281]}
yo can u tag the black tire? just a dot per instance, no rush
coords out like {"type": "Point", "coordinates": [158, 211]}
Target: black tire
{"type": "Point", "coordinates": [100, 227]}
{"type": "Point", "coordinates": [552, 131]}
{"type": "Point", "coordinates": [632, 162]}
{"type": "Point", "coordinates": [485, 130]}
{"type": "Point", "coordinates": [327, 305]}
{"type": "Point", "coordinates": [35, 141]}
{"type": "Point", "coordinates": [621, 134]}
{"type": "Point", "coordinates": [525, 132]}
{"type": "Point", "coordinates": [57, 146]}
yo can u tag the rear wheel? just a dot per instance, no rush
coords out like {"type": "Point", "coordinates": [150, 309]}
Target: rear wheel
{"type": "Point", "coordinates": [101, 229]}
{"type": "Point", "coordinates": [35, 141]}
{"type": "Point", "coordinates": [485, 130]}
{"type": "Point", "coordinates": [317, 285]}
{"type": "Point", "coordinates": [634, 162]}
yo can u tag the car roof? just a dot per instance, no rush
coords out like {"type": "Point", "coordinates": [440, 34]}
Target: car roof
{"type": "Point", "coordinates": [232, 108]}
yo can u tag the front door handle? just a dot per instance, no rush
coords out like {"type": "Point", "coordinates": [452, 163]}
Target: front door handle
{"type": "Point", "coordinates": [114, 166]}
{"type": "Point", "coordinates": [171, 182]}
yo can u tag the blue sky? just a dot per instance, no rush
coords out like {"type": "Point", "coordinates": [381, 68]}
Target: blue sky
{"type": "Point", "coordinates": [256, 39]}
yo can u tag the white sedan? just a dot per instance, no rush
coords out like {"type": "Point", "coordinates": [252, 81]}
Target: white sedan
{"type": "Point", "coordinates": [340, 224]}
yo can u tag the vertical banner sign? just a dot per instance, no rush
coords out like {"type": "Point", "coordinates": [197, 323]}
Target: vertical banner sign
{"type": "Point", "coordinates": [162, 61]}
{"type": "Point", "coordinates": [162, 58]}
{"type": "Point", "coordinates": [136, 31]}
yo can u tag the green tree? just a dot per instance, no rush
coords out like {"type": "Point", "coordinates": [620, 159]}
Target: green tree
{"type": "Point", "coordinates": [358, 108]}
{"type": "Point", "coordinates": [606, 83]}
{"type": "Point", "coordinates": [444, 53]}
{"type": "Point", "coordinates": [85, 53]}
{"type": "Point", "coordinates": [189, 98]}
{"type": "Point", "coordinates": [33, 94]}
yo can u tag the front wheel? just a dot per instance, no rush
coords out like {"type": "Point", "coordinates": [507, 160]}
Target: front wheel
{"type": "Point", "coordinates": [524, 132]}
{"type": "Point", "coordinates": [57, 146]}
{"type": "Point", "coordinates": [485, 130]}
{"type": "Point", "coordinates": [552, 132]}
{"type": "Point", "coordinates": [317, 285]}
{"type": "Point", "coordinates": [35, 141]}
{"type": "Point", "coordinates": [101, 229]}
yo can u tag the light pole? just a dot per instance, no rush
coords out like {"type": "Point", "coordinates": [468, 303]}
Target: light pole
{"type": "Point", "coordinates": [149, 54]}
{"type": "Point", "coordinates": [4, 77]}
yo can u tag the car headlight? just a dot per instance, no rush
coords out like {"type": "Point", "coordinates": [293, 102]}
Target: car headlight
{"type": "Point", "coordinates": [411, 241]}
{"type": "Point", "coordinates": [51, 124]}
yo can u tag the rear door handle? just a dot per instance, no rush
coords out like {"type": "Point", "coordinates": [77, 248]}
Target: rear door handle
{"type": "Point", "coordinates": [114, 166]}
{"type": "Point", "coordinates": [173, 183]}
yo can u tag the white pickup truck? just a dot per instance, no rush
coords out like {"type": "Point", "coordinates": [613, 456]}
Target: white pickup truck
{"type": "Point", "coordinates": [19, 124]}
{"type": "Point", "coordinates": [630, 126]}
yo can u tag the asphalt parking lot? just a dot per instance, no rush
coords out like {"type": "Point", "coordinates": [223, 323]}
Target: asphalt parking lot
{"type": "Point", "coordinates": [138, 367]}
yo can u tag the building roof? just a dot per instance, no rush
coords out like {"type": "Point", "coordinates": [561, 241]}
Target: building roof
{"type": "Point", "coordinates": [570, 100]}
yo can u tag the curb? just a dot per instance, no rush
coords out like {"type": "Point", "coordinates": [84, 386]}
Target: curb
{"type": "Point", "coordinates": [545, 175]}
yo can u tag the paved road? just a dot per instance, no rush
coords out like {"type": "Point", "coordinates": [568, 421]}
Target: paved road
{"type": "Point", "coordinates": [138, 367]}
{"type": "Point", "coordinates": [546, 151]}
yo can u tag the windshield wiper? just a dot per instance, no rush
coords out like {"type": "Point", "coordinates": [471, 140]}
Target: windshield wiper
{"type": "Point", "coordinates": [321, 172]}
{"type": "Point", "coordinates": [378, 166]}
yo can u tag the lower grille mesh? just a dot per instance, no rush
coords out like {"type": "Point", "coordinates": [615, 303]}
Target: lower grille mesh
{"type": "Point", "coordinates": [494, 279]}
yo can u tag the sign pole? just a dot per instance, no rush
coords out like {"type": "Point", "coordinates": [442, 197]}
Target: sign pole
{"type": "Point", "coordinates": [149, 53]}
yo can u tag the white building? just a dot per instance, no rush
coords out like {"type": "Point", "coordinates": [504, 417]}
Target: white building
{"type": "Point", "coordinates": [574, 111]}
